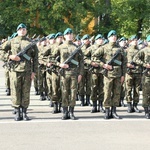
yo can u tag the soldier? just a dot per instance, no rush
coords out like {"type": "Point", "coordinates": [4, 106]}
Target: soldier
{"type": "Point", "coordinates": [46, 55]}
{"type": "Point", "coordinates": [41, 72]}
{"type": "Point", "coordinates": [56, 85]}
{"type": "Point", "coordinates": [122, 44]}
{"type": "Point", "coordinates": [142, 58]}
{"type": "Point", "coordinates": [133, 77]}
{"type": "Point", "coordinates": [97, 93]}
{"type": "Point", "coordinates": [85, 84]}
{"type": "Point", "coordinates": [113, 73]}
{"type": "Point", "coordinates": [22, 72]}
{"type": "Point", "coordinates": [72, 73]}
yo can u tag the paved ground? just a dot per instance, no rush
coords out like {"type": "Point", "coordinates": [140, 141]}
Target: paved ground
{"type": "Point", "coordinates": [90, 131]}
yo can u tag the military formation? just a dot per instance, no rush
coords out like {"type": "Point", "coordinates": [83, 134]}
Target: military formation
{"type": "Point", "coordinates": [101, 73]}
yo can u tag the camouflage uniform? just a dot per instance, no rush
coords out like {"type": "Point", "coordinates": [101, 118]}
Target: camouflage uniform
{"type": "Point", "coordinates": [142, 58]}
{"type": "Point", "coordinates": [21, 71]}
{"type": "Point", "coordinates": [112, 80]}
{"type": "Point", "coordinates": [69, 79]}
{"type": "Point", "coordinates": [133, 81]}
{"type": "Point", "coordinates": [97, 93]}
{"type": "Point", "coordinates": [85, 84]}
{"type": "Point", "coordinates": [42, 74]}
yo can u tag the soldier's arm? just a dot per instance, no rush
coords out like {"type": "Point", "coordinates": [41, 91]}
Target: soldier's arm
{"type": "Point", "coordinates": [139, 58]}
{"type": "Point", "coordinates": [81, 64]}
{"type": "Point", "coordinates": [35, 59]}
{"type": "Point", "coordinates": [124, 62]}
{"type": "Point", "coordinates": [5, 48]}
{"type": "Point", "coordinates": [87, 56]}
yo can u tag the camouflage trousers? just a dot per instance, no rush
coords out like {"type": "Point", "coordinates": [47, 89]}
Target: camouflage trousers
{"type": "Point", "coordinates": [84, 86]}
{"type": "Point", "coordinates": [146, 91]}
{"type": "Point", "coordinates": [49, 83]}
{"type": "Point", "coordinates": [133, 83]}
{"type": "Point", "coordinates": [20, 88]}
{"type": "Point", "coordinates": [7, 78]}
{"type": "Point", "coordinates": [56, 88]}
{"type": "Point", "coordinates": [97, 92]}
{"type": "Point", "coordinates": [112, 89]}
{"type": "Point", "coordinates": [69, 90]}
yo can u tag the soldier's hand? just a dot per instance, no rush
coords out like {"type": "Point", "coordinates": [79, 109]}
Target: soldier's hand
{"type": "Point", "coordinates": [32, 75]}
{"type": "Point", "coordinates": [79, 78]}
{"type": "Point", "coordinates": [108, 67]}
{"type": "Point", "coordinates": [64, 66]}
{"type": "Point", "coordinates": [94, 64]}
{"type": "Point", "coordinates": [14, 57]}
{"type": "Point", "coordinates": [147, 65]}
{"type": "Point", "coordinates": [122, 79]}
{"type": "Point", "coordinates": [49, 64]}
{"type": "Point", "coordinates": [130, 65]}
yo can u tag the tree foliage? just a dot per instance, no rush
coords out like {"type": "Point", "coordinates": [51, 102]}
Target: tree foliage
{"type": "Point", "coordinates": [84, 16]}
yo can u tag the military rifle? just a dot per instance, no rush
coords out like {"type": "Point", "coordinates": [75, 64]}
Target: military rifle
{"type": "Point", "coordinates": [22, 54]}
{"type": "Point", "coordinates": [111, 61]}
{"type": "Point", "coordinates": [145, 71]}
{"type": "Point", "coordinates": [71, 56]}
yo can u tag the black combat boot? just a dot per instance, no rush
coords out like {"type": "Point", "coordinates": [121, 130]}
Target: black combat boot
{"type": "Point", "coordinates": [36, 91]}
{"type": "Point", "coordinates": [147, 114]}
{"type": "Point", "coordinates": [65, 113]}
{"type": "Point", "coordinates": [82, 100]}
{"type": "Point", "coordinates": [8, 92]}
{"type": "Point", "coordinates": [24, 114]}
{"type": "Point", "coordinates": [129, 107]}
{"type": "Point", "coordinates": [87, 100]}
{"type": "Point", "coordinates": [122, 102]}
{"type": "Point", "coordinates": [94, 108]}
{"type": "Point", "coordinates": [100, 107]}
{"type": "Point", "coordinates": [135, 109]}
{"type": "Point", "coordinates": [17, 117]}
{"type": "Point", "coordinates": [114, 114]}
{"type": "Point", "coordinates": [55, 108]}
{"type": "Point", "coordinates": [71, 110]}
{"type": "Point", "coordinates": [59, 107]}
{"type": "Point", "coordinates": [42, 96]}
{"type": "Point", "coordinates": [107, 111]}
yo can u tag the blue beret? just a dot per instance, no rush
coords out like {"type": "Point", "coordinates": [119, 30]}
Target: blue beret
{"type": "Point", "coordinates": [122, 39]}
{"type": "Point", "coordinates": [51, 36]}
{"type": "Point", "coordinates": [68, 30]}
{"type": "Point", "coordinates": [99, 36]}
{"type": "Point", "coordinates": [148, 38]}
{"type": "Point", "coordinates": [86, 36]}
{"type": "Point", "coordinates": [14, 35]}
{"type": "Point", "coordinates": [133, 37]}
{"type": "Point", "coordinates": [58, 34]}
{"type": "Point", "coordinates": [21, 26]}
{"type": "Point", "coordinates": [112, 32]}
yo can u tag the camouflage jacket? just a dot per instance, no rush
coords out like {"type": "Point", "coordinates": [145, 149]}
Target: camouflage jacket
{"type": "Point", "coordinates": [104, 54]}
{"type": "Point", "coordinates": [142, 58]}
{"type": "Point", "coordinates": [130, 53]}
{"type": "Point", "coordinates": [64, 51]}
{"type": "Point", "coordinates": [13, 47]}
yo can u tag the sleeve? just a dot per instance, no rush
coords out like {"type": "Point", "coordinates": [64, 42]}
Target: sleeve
{"type": "Point", "coordinates": [99, 53]}
{"type": "Point", "coordinates": [139, 58]}
{"type": "Point", "coordinates": [81, 64]}
{"type": "Point", "coordinates": [35, 60]}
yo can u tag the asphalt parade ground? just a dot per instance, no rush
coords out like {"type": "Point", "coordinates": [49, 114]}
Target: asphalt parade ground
{"type": "Point", "coordinates": [46, 131]}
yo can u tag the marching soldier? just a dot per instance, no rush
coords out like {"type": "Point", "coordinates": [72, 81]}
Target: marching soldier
{"type": "Point", "coordinates": [85, 84]}
{"type": "Point", "coordinates": [133, 77]}
{"type": "Point", "coordinates": [56, 85]}
{"type": "Point", "coordinates": [113, 62]}
{"type": "Point", "coordinates": [142, 58]}
{"type": "Point", "coordinates": [71, 73]}
{"type": "Point", "coordinates": [97, 93]}
{"type": "Point", "coordinates": [122, 44]}
{"type": "Point", "coordinates": [22, 71]}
